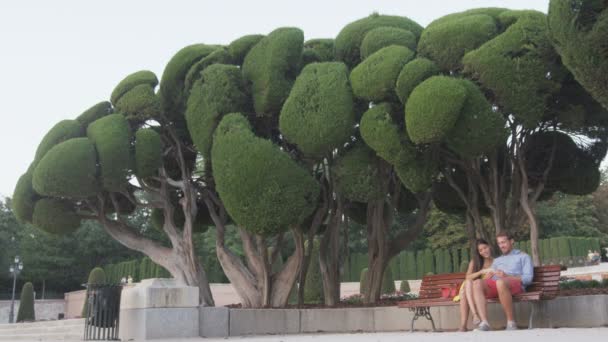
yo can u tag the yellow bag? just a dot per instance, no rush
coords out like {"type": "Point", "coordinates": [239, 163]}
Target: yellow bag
{"type": "Point", "coordinates": [457, 298]}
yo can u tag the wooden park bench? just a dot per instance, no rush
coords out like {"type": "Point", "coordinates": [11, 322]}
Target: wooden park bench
{"type": "Point", "coordinates": [545, 286]}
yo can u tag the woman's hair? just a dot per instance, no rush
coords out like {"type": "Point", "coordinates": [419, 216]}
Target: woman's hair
{"type": "Point", "coordinates": [477, 258]}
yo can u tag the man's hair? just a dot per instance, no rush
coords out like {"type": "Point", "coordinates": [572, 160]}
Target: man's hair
{"type": "Point", "coordinates": [505, 234]}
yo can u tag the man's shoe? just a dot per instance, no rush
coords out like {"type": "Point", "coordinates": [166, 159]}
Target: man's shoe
{"type": "Point", "coordinates": [511, 326]}
{"type": "Point", "coordinates": [483, 326]}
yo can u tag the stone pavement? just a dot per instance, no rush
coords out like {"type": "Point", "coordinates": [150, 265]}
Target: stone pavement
{"type": "Point", "coordinates": [536, 335]}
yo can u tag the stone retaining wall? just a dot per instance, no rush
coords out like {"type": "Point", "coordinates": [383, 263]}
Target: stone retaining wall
{"type": "Point", "coordinates": [572, 312]}
{"type": "Point", "coordinates": [46, 309]}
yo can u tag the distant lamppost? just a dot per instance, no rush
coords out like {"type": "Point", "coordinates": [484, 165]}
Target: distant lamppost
{"type": "Point", "coordinates": [15, 269]}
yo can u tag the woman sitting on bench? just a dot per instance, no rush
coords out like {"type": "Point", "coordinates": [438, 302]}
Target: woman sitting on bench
{"type": "Point", "coordinates": [479, 266]}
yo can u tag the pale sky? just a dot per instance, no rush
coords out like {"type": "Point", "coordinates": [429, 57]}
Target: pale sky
{"type": "Point", "coordinates": [58, 58]}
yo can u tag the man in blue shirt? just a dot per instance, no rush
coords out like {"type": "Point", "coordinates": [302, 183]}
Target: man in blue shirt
{"type": "Point", "coordinates": [511, 273]}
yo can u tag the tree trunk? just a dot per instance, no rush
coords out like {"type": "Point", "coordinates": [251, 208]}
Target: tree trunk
{"type": "Point", "coordinates": [329, 258]}
{"type": "Point", "coordinates": [378, 250]}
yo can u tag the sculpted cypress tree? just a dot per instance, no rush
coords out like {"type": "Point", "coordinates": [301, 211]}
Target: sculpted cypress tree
{"type": "Point", "coordinates": [26, 312]}
{"type": "Point", "coordinates": [514, 127]}
{"type": "Point", "coordinates": [578, 31]}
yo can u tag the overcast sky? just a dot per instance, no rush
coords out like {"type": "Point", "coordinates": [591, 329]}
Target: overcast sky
{"type": "Point", "coordinates": [57, 58]}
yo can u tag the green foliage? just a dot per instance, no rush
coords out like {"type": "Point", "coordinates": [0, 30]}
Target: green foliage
{"type": "Point", "coordinates": [131, 81]}
{"type": "Point", "coordinates": [383, 135]}
{"type": "Point", "coordinates": [98, 111]}
{"type": "Point", "coordinates": [374, 79]}
{"type": "Point", "coordinates": [388, 282]}
{"type": "Point", "coordinates": [429, 263]}
{"type": "Point", "coordinates": [489, 11]}
{"type": "Point", "coordinates": [428, 120]}
{"type": "Point", "coordinates": [356, 175]}
{"type": "Point", "coordinates": [318, 50]}
{"type": "Point", "coordinates": [238, 48]}
{"type": "Point", "coordinates": [202, 221]}
{"type": "Point", "coordinates": [26, 311]}
{"type": "Point", "coordinates": [112, 138]}
{"type": "Point", "coordinates": [384, 36]}
{"type": "Point", "coordinates": [219, 56]}
{"type": "Point", "coordinates": [348, 42]}
{"type": "Point", "coordinates": [318, 116]}
{"type": "Point", "coordinates": [220, 90]}
{"type": "Point", "coordinates": [405, 286]}
{"type": "Point", "coordinates": [514, 67]}
{"type": "Point", "coordinates": [464, 259]}
{"type": "Point", "coordinates": [55, 216]}
{"type": "Point", "coordinates": [148, 152]}
{"type": "Point", "coordinates": [420, 266]}
{"type": "Point", "coordinates": [96, 277]}
{"type": "Point", "coordinates": [578, 32]}
{"type": "Point", "coordinates": [447, 41]}
{"type": "Point", "coordinates": [172, 95]}
{"type": "Point", "coordinates": [439, 261]}
{"type": "Point", "coordinates": [67, 170]}
{"type": "Point", "coordinates": [62, 131]}
{"type": "Point", "coordinates": [271, 66]}
{"type": "Point", "coordinates": [363, 281]}
{"type": "Point", "coordinates": [478, 129]}
{"type": "Point", "coordinates": [263, 190]}
{"type": "Point", "coordinates": [412, 74]}
{"type": "Point", "coordinates": [313, 287]}
{"type": "Point", "coordinates": [24, 198]}
{"type": "Point", "coordinates": [417, 174]}
{"type": "Point", "coordinates": [139, 103]}
{"type": "Point", "coordinates": [455, 259]}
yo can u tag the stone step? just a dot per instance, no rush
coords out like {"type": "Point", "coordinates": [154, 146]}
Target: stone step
{"type": "Point", "coordinates": [62, 322]}
{"type": "Point", "coordinates": [42, 337]}
{"type": "Point", "coordinates": [76, 328]}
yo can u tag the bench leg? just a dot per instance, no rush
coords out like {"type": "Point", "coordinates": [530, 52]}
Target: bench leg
{"type": "Point", "coordinates": [422, 312]}
{"type": "Point", "coordinates": [532, 311]}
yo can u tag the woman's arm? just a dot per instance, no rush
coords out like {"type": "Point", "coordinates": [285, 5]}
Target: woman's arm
{"type": "Point", "coordinates": [470, 274]}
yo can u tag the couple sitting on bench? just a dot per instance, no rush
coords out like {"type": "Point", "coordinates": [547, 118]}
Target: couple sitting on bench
{"type": "Point", "coordinates": [500, 278]}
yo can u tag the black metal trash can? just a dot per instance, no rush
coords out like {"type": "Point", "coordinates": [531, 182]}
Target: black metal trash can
{"type": "Point", "coordinates": [103, 309]}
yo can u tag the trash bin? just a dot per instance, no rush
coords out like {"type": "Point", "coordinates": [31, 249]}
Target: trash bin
{"type": "Point", "coordinates": [103, 309]}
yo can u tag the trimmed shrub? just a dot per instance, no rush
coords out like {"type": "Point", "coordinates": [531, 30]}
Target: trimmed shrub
{"type": "Point", "coordinates": [420, 266]}
{"type": "Point", "coordinates": [271, 66]}
{"type": "Point", "coordinates": [263, 189]}
{"type": "Point", "coordinates": [238, 48]}
{"type": "Point", "coordinates": [363, 281]}
{"type": "Point", "coordinates": [220, 90]}
{"type": "Point", "coordinates": [578, 32]}
{"type": "Point", "coordinates": [410, 265]}
{"type": "Point", "coordinates": [447, 41]}
{"type": "Point", "coordinates": [171, 91]}
{"type": "Point", "coordinates": [219, 56]}
{"type": "Point", "coordinates": [67, 170]}
{"type": "Point", "coordinates": [478, 129]}
{"type": "Point", "coordinates": [139, 104]}
{"type": "Point", "coordinates": [62, 131]}
{"type": "Point", "coordinates": [429, 263]}
{"type": "Point", "coordinates": [55, 216]}
{"type": "Point", "coordinates": [514, 67]}
{"type": "Point", "coordinates": [447, 261]}
{"type": "Point", "coordinates": [111, 136]}
{"type": "Point", "coordinates": [356, 176]}
{"type": "Point", "coordinates": [348, 41]}
{"type": "Point", "coordinates": [383, 135]}
{"type": "Point", "coordinates": [554, 251]}
{"type": "Point", "coordinates": [374, 79]}
{"type": "Point", "coordinates": [428, 120]}
{"type": "Point", "coordinates": [318, 50]}
{"type": "Point", "coordinates": [96, 112]}
{"type": "Point", "coordinates": [26, 312]}
{"type": "Point", "coordinates": [464, 259]}
{"type": "Point", "coordinates": [384, 36]}
{"type": "Point", "coordinates": [439, 261]}
{"type": "Point", "coordinates": [148, 152]}
{"type": "Point", "coordinates": [412, 74]}
{"type": "Point", "coordinates": [97, 276]}
{"type": "Point", "coordinates": [24, 198]}
{"type": "Point", "coordinates": [455, 260]}
{"type": "Point", "coordinates": [405, 286]}
{"type": "Point", "coordinates": [318, 115]}
{"type": "Point", "coordinates": [417, 174]}
{"type": "Point", "coordinates": [313, 287]}
{"type": "Point", "coordinates": [131, 81]}
{"type": "Point", "coordinates": [388, 282]}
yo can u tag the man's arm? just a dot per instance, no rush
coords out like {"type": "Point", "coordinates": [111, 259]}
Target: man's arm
{"type": "Point", "coordinates": [527, 271]}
